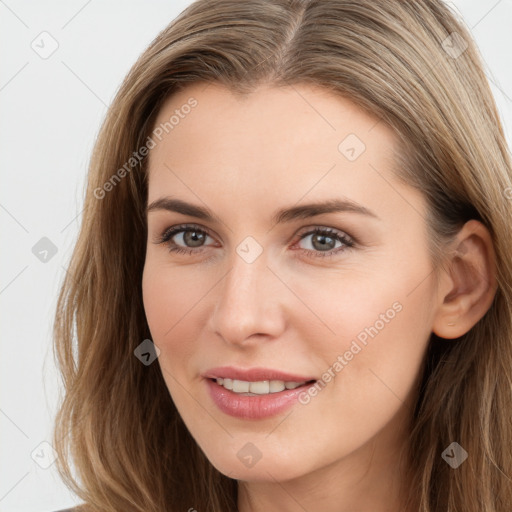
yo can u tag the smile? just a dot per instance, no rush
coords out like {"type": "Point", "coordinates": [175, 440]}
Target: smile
{"type": "Point", "coordinates": [263, 387]}
{"type": "Point", "coordinates": [242, 402]}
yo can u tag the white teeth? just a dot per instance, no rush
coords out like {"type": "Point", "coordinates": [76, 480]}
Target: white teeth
{"type": "Point", "coordinates": [263, 387]}
{"type": "Point", "coordinates": [241, 386]}
{"type": "Point", "coordinates": [260, 388]}
{"type": "Point", "coordinates": [276, 386]}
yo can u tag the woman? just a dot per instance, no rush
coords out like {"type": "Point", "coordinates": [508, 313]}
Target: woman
{"type": "Point", "coordinates": [292, 285]}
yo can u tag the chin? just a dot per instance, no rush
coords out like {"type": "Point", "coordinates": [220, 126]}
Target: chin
{"type": "Point", "coordinates": [239, 465]}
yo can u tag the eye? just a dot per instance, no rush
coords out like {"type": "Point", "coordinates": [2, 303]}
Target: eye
{"type": "Point", "coordinates": [323, 240]}
{"type": "Point", "coordinates": [188, 234]}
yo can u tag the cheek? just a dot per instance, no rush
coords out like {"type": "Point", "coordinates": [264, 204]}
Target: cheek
{"type": "Point", "coordinates": [167, 304]}
{"type": "Point", "coordinates": [349, 306]}
{"type": "Point", "coordinates": [169, 298]}
{"type": "Point", "coordinates": [169, 307]}
{"type": "Point", "coordinates": [157, 295]}
{"type": "Point", "coordinates": [375, 358]}
{"type": "Point", "coordinates": [372, 328]}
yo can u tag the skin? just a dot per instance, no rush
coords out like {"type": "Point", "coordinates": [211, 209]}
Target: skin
{"type": "Point", "coordinates": [244, 158]}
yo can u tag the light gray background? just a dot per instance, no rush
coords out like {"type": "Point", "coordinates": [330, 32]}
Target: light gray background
{"type": "Point", "coordinates": [51, 110]}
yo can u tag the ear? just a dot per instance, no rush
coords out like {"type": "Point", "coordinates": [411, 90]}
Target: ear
{"type": "Point", "coordinates": [468, 287]}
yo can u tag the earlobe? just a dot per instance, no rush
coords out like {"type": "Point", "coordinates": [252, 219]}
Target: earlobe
{"type": "Point", "coordinates": [470, 284]}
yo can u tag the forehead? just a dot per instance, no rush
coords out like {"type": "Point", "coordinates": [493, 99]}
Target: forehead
{"type": "Point", "coordinates": [274, 145]}
{"type": "Point", "coordinates": [288, 110]}
{"type": "Point", "coordinates": [291, 123]}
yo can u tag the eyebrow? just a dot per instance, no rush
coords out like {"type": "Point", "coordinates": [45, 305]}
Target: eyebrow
{"type": "Point", "coordinates": [281, 216]}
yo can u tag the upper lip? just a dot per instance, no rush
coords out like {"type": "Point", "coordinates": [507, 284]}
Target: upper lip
{"type": "Point", "coordinates": [253, 374]}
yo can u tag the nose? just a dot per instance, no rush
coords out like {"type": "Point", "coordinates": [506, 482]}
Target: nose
{"type": "Point", "coordinates": [249, 305]}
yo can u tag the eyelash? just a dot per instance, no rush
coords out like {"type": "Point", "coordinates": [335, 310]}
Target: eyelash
{"type": "Point", "coordinates": [165, 239]}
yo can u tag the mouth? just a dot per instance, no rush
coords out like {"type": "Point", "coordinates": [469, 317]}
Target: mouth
{"type": "Point", "coordinates": [255, 394]}
{"type": "Point", "coordinates": [260, 387]}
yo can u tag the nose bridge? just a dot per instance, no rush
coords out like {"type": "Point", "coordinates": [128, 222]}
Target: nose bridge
{"type": "Point", "coordinates": [248, 300]}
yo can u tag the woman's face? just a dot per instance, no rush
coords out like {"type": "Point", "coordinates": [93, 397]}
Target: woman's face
{"type": "Point", "coordinates": [257, 298]}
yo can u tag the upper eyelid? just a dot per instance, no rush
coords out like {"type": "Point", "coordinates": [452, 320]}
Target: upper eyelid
{"type": "Point", "coordinates": [183, 228]}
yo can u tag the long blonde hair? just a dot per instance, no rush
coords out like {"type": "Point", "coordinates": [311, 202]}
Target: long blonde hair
{"type": "Point", "coordinates": [412, 64]}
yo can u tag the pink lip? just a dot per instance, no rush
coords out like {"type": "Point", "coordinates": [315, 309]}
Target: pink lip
{"type": "Point", "coordinates": [253, 374]}
{"type": "Point", "coordinates": [253, 407]}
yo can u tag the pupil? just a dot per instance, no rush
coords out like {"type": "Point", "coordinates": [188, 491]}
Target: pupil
{"type": "Point", "coordinates": [322, 239]}
{"type": "Point", "coordinates": [196, 238]}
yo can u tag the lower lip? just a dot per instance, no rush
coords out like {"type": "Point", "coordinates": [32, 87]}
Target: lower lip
{"type": "Point", "coordinates": [253, 407]}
